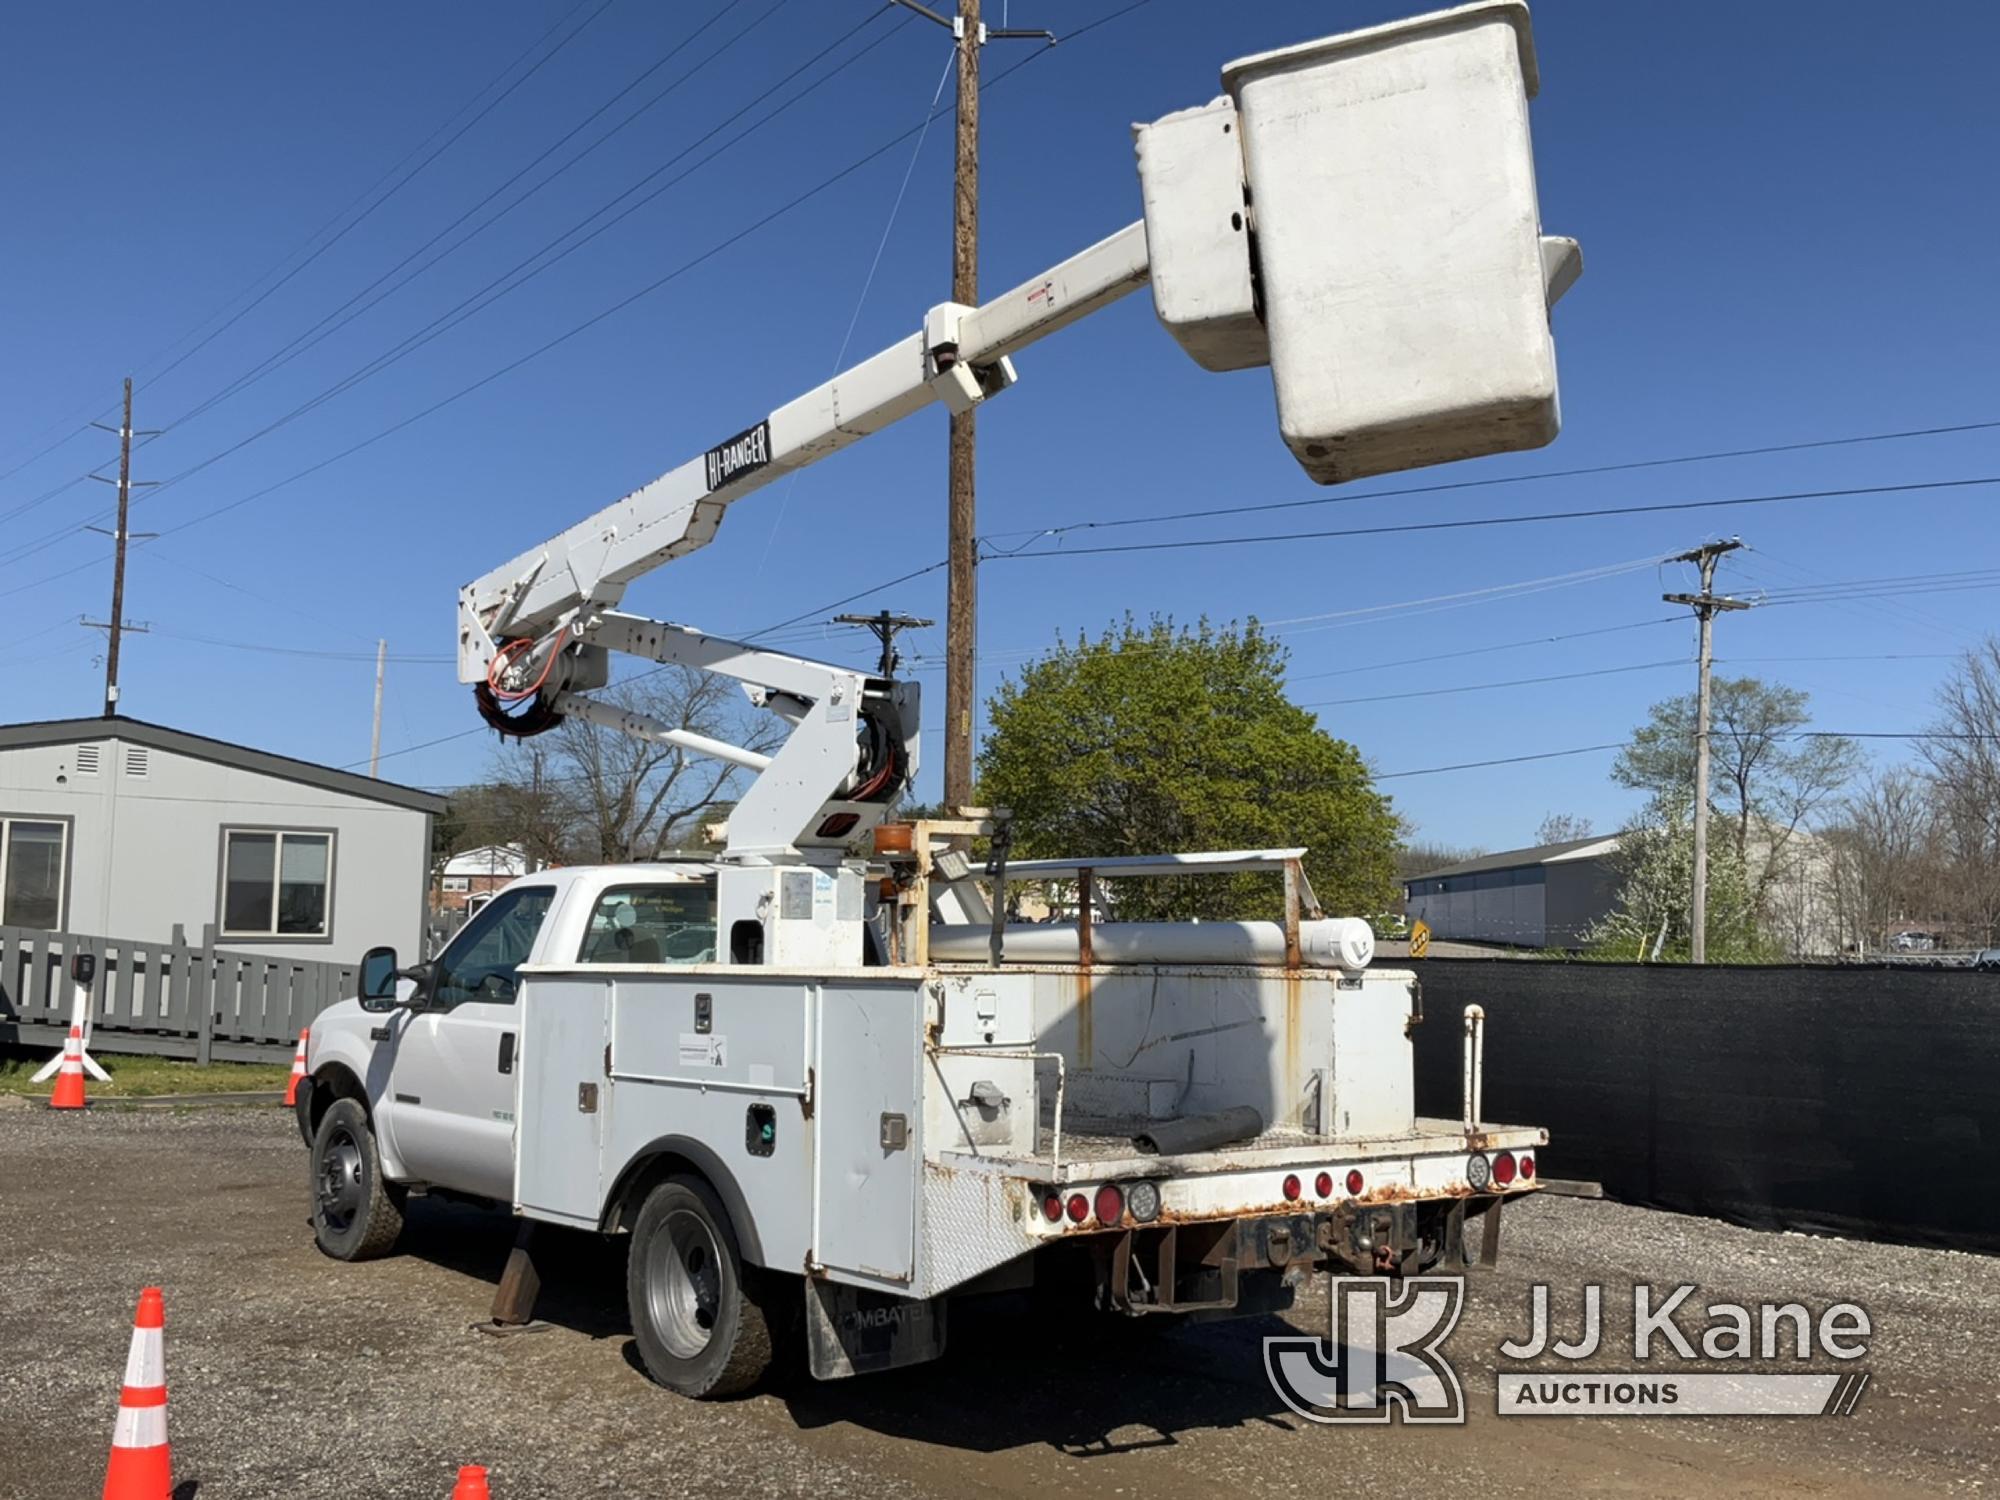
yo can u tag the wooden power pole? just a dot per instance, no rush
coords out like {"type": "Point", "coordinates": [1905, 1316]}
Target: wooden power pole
{"type": "Point", "coordinates": [116, 626]}
{"type": "Point", "coordinates": [961, 629]}
{"type": "Point", "coordinates": [961, 626]}
{"type": "Point", "coordinates": [1706, 605]}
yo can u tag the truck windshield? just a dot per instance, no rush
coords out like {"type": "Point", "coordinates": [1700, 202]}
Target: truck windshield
{"type": "Point", "coordinates": [652, 924]}
{"type": "Point", "coordinates": [479, 963]}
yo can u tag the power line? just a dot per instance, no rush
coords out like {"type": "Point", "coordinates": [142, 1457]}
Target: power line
{"type": "Point", "coordinates": [343, 656]}
{"type": "Point", "coordinates": [443, 739]}
{"type": "Point", "coordinates": [1481, 687]}
{"type": "Point", "coordinates": [1505, 760]}
{"type": "Point", "coordinates": [617, 307]}
{"type": "Point", "coordinates": [1540, 640]}
{"type": "Point", "coordinates": [342, 213]}
{"type": "Point", "coordinates": [472, 305]}
{"type": "Point", "coordinates": [532, 354]}
{"type": "Point", "coordinates": [1406, 527]}
{"type": "Point", "coordinates": [332, 322]}
{"type": "Point", "coordinates": [1472, 484]}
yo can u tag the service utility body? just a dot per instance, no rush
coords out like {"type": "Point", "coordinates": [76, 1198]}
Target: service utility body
{"type": "Point", "coordinates": [822, 1080]}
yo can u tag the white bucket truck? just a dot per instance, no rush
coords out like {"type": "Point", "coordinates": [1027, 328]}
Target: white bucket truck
{"type": "Point", "coordinates": [825, 1093]}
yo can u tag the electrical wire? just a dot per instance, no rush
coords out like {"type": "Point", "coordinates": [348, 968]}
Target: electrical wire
{"type": "Point", "coordinates": [617, 307]}
{"type": "Point", "coordinates": [304, 244]}
{"type": "Point", "coordinates": [1482, 687]}
{"type": "Point", "coordinates": [332, 322]}
{"type": "Point", "coordinates": [1472, 484]}
{"type": "Point", "coordinates": [1595, 512]}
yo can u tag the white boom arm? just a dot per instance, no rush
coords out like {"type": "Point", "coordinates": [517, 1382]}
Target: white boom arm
{"type": "Point", "coordinates": [958, 357]}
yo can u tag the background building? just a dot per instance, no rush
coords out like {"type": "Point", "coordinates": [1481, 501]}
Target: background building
{"type": "Point", "coordinates": [477, 872]}
{"type": "Point", "coordinates": [118, 828]}
{"type": "Point", "coordinates": [1545, 897]}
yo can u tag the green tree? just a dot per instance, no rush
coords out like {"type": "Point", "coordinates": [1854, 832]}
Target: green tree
{"type": "Point", "coordinates": [1768, 778]}
{"type": "Point", "coordinates": [1157, 739]}
{"type": "Point", "coordinates": [1653, 917]}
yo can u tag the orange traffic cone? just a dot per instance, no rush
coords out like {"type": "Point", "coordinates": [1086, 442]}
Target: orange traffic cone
{"type": "Point", "coordinates": [471, 1483]}
{"type": "Point", "coordinates": [69, 1082]}
{"type": "Point", "coordinates": [298, 1071]}
{"type": "Point", "coordinates": [141, 1464]}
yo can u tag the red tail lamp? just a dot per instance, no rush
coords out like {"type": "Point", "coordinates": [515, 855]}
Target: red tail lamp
{"type": "Point", "coordinates": [1527, 1168]}
{"type": "Point", "coordinates": [1292, 1188]}
{"type": "Point", "coordinates": [1504, 1168]}
{"type": "Point", "coordinates": [1052, 1208]}
{"type": "Point", "coordinates": [1354, 1182]}
{"type": "Point", "coordinates": [1110, 1204]}
{"type": "Point", "coordinates": [1323, 1185]}
{"type": "Point", "coordinates": [1078, 1208]}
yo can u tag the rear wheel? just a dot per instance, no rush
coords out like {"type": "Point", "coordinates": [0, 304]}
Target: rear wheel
{"type": "Point", "coordinates": [356, 1213]}
{"type": "Point", "coordinates": [699, 1329]}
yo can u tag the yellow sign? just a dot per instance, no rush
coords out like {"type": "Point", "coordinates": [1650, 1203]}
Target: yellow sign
{"type": "Point", "coordinates": [1420, 939]}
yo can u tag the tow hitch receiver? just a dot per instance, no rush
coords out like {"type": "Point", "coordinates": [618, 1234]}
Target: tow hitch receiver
{"type": "Point", "coordinates": [1172, 1267]}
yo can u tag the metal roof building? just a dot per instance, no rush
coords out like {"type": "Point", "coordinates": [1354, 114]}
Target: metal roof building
{"type": "Point", "coordinates": [119, 828]}
{"type": "Point", "coordinates": [1545, 897]}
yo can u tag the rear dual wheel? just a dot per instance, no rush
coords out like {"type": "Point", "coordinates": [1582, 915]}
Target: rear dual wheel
{"type": "Point", "coordinates": [696, 1316]}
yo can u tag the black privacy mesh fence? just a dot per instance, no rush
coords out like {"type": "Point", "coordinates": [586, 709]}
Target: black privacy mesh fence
{"type": "Point", "coordinates": [1850, 1101]}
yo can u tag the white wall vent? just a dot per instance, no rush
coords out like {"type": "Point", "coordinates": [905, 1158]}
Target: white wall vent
{"type": "Point", "coordinates": [138, 760]}
{"type": "Point", "coordinates": [87, 759]}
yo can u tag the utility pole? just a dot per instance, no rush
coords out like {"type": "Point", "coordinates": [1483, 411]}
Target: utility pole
{"type": "Point", "coordinates": [961, 631]}
{"type": "Point", "coordinates": [117, 625]}
{"type": "Point", "coordinates": [885, 626]}
{"type": "Point", "coordinates": [1706, 605]}
{"type": "Point", "coordinates": [375, 740]}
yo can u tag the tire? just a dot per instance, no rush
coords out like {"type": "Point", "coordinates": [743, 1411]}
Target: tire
{"type": "Point", "coordinates": [356, 1215]}
{"type": "Point", "coordinates": [696, 1317]}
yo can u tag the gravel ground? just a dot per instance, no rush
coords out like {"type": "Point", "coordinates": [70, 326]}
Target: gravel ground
{"type": "Point", "coordinates": [295, 1376]}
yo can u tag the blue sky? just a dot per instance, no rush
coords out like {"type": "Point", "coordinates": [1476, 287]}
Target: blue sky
{"type": "Point", "coordinates": [1789, 233]}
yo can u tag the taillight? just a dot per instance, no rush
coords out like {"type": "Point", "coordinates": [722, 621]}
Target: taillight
{"type": "Point", "coordinates": [1052, 1208]}
{"type": "Point", "coordinates": [1354, 1182]}
{"type": "Point", "coordinates": [1503, 1168]}
{"type": "Point", "coordinates": [1292, 1188]}
{"type": "Point", "coordinates": [1079, 1208]}
{"type": "Point", "coordinates": [1527, 1167]}
{"type": "Point", "coordinates": [1110, 1204]}
{"type": "Point", "coordinates": [1143, 1198]}
{"type": "Point", "coordinates": [1323, 1185]}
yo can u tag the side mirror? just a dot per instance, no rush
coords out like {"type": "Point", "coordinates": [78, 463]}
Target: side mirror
{"type": "Point", "coordinates": [378, 978]}
{"type": "Point", "coordinates": [83, 967]}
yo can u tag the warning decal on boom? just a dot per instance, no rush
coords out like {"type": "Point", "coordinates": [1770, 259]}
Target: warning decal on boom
{"type": "Point", "coordinates": [745, 453]}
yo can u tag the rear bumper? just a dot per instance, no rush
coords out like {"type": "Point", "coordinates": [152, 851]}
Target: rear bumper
{"type": "Point", "coordinates": [1436, 1163]}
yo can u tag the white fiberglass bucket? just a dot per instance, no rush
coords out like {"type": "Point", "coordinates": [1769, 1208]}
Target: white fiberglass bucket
{"type": "Point", "coordinates": [1392, 185]}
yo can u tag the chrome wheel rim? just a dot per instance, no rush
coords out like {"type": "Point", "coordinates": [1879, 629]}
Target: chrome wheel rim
{"type": "Point", "coordinates": [684, 1284]}
{"type": "Point", "coordinates": [338, 1191]}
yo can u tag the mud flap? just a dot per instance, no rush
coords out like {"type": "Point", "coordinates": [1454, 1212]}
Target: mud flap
{"type": "Point", "coordinates": [850, 1331]}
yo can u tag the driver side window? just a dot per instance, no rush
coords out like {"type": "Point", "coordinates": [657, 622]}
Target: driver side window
{"type": "Point", "coordinates": [480, 963]}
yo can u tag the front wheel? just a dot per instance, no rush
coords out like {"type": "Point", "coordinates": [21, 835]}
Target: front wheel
{"type": "Point", "coordinates": [356, 1213]}
{"type": "Point", "coordinates": [699, 1330]}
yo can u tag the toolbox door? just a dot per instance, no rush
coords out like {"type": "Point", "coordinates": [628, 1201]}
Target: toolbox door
{"type": "Point", "coordinates": [565, 1024]}
{"type": "Point", "coordinates": [868, 1127]}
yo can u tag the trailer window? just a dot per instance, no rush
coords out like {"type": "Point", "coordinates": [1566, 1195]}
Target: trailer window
{"type": "Point", "coordinates": [652, 924]}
